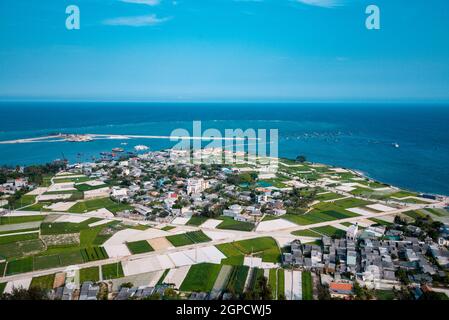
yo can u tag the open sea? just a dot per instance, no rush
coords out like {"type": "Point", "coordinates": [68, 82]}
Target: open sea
{"type": "Point", "coordinates": [356, 136]}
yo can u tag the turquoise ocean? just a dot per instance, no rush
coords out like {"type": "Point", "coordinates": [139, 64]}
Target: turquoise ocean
{"type": "Point", "coordinates": [356, 136]}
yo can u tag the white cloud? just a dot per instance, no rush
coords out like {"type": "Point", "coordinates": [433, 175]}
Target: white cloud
{"type": "Point", "coordinates": [139, 21]}
{"type": "Point", "coordinates": [322, 3]}
{"type": "Point", "coordinates": [147, 2]}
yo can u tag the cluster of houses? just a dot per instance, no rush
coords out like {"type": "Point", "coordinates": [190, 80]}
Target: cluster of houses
{"type": "Point", "coordinates": [372, 257]}
{"type": "Point", "coordinates": [10, 187]}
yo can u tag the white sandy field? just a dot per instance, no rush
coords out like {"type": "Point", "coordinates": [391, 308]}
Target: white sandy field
{"type": "Point", "coordinates": [211, 223]}
{"type": "Point", "coordinates": [180, 221]}
{"type": "Point", "coordinates": [22, 283]}
{"type": "Point", "coordinates": [176, 276]}
{"type": "Point", "coordinates": [178, 259]}
{"type": "Point", "coordinates": [274, 225]}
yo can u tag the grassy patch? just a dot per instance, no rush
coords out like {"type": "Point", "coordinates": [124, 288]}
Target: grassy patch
{"type": "Point", "coordinates": [231, 224]}
{"type": "Point", "coordinates": [272, 281]}
{"type": "Point", "coordinates": [270, 217]}
{"type": "Point", "coordinates": [201, 277]}
{"type": "Point", "coordinates": [21, 248]}
{"type": "Point", "coordinates": [307, 285]}
{"type": "Point", "coordinates": [49, 228]}
{"type": "Point", "coordinates": [330, 231]}
{"type": "Point", "coordinates": [95, 204]}
{"type": "Point", "coordinates": [46, 262]}
{"type": "Point", "coordinates": [168, 228]}
{"type": "Point", "coordinates": [22, 219]}
{"type": "Point", "coordinates": [188, 238]}
{"type": "Point", "coordinates": [306, 233]}
{"type": "Point", "coordinates": [2, 287]}
{"type": "Point", "coordinates": [68, 179]}
{"type": "Point", "coordinates": [19, 266]}
{"type": "Point", "coordinates": [414, 214]}
{"type": "Point", "coordinates": [94, 254]}
{"type": "Point", "coordinates": [265, 247]}
{"type": "Point", "coordinates": [384, 294]}
{"type": "Point", "coordinates": [328, 196]}
{"type": "Point", "coordinates": [237, 279]}
{"type": "Point", "coordinates": [139, 247]}
{"type": "Point", "coordinates": [161, 279]}
{"type": "Point", "coordinates": [2, 268]}
{"type": "Point", "coordinates": [43, 282]}
{"type": "Point", "coordinates": [112, 271]}
{"type": "Point", "coordinates": [197, 220]}
{"type": "Point", "coordinates": [234, 256]}
{"type": "Point", "coordinates": [89, 274]}
{"type": "Point", "coordinates": [281, 283]}
{"type": "Point", "coordinates": [380, 222]}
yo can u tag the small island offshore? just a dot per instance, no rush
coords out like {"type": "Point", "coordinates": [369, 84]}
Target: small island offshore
{"type": "Point", "coordinates": [154, 226]}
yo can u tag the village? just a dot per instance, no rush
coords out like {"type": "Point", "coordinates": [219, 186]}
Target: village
{"type": "Point", "coordinates": [156, 225]}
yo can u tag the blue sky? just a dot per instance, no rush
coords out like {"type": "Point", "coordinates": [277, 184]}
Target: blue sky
{"type": "Point", "coordinates": [225, 50]}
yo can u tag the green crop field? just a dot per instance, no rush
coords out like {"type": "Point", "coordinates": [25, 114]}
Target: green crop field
{"type": "Point", "coordinates": [270, 217]}
{"type": "Point", "coordinates": [21, 248]}
{"type": "Point", "coordinates": [43, 282]}
{"type": "Point", "coordinates": [198, 236]}
{"type": "Point", "coordinates": [2, 268]}
{"type": "Point", "coordinates": [94, 254]}
{"type": "Point", "coordinates": [281, 283]}
{"type": "Point", "coordinates": [139, 247]}
{"type": "Point", "coordinates": [272, 281]}
{"type": "Point", "coordinates": [19, 266]}
{"type": "Point", "coordinates": [328, 196]}
{"type": "Point", "coordinates": [18, 237]}
{"type": "Point", "coordinates": [197, 220]}
{"type": "Point", "coordinates": [167, 228]}
{"type": "Point", "coordinates": [66, 227]}
{"type": "Point", "coordinates": [90, 274]}
{"type": "Point", "coordinates": [237, 279]}
{"type": "Point", "coordinates": [24, 201]}
{"type": "Point", "coordinates": [234, 256]}
{"type": "Point", "coordinates": [307, 285]}
{"type": "Point", "coordinates": [201, 277]}
{"type": "Point", "coordinates": [46, 262]}
{"type": "Point", "coordinates": [330, 231]}
{"type": "Point", "coordinates": [68, 179]}
{"type": "Point", "coordinates": [85, 187]}
{"type": "Point", "coordinates": [112, 271]}
{"type": "Point", "coordinates": [2, 287]}
{"type": "Point", "coordinates": [161, 279]}
{"type": "Point", "coordinates": [22, 219]}
{"type": "Point", "coordinates": [351, 203]}
{"type": "Point", "coordinates": [188, 238]}
{"type": "Point", "coordinates": [265, 247]}
{"type": "Point", "coordinates": [306, 233]}
{"type": "Point", "coordinates": [231, 224]}
{"type": "Point", "coordinates": [95, 204]}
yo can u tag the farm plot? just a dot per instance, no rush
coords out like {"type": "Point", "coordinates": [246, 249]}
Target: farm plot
{"type": "Point", "coordinates": [94, 254]}
{"type": "Point", "coordinates": [196, 220]}
{"type": "Point", "coordinates": [21, 248]}
{"type": "Point", "coordinates": [112, 271]}
{"type": "Point", "coordinates": [20, 219]}
{"type": "Point", "coordinates": [330, 231]}
{"type": "Point", "coordinates": [90, 274]}
{"type": "Point", "coordinates": [188, 238]}
{"type": "Point", "coordinates": [139, 247]}
{"type": "Point", "coordinates": [95, 204]}
{"type": "Point", "coordinates": [231, 224]}
{"type": "Point", "coordinates": [307, 285]}
{"type": "Point", "coordinates": [19, 266]}
{"type": "Point", "coordinates": [43, 282]}
{"type": "Point", "coordinates": [201, 277]}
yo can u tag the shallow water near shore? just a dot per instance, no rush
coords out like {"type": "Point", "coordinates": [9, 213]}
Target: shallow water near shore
{"type": "Point", "coordinates": [356, 136]}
